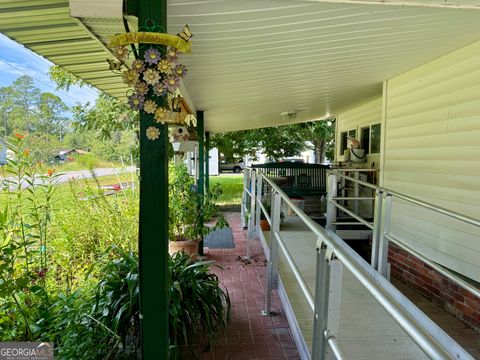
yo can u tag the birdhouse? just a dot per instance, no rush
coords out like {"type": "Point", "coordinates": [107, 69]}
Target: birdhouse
{"type": "Point", "coordinates": [179, 134]}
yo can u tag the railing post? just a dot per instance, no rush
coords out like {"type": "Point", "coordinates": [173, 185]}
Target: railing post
{"type": "Point", "coordinates": [272, 265]}
{"type": "Point", "coordinates": [244, 194]}
{"type": "Point", "coordinates": [377, 228]}
{"type": "Point", "coordinates": [331, 208]}
{"type": "Point", "coordinates": [251, 221]}
{"type": "Point", "coordinates": [328, 292]}
{"type": "Point", "coordinates": [319, 343]}
{"type": "Point", "coordinates": [334, 298]}
{"type": "Point", "coordinates": [383, 266]}
{"type": "Point", "coordinates": [356, 191]}
{"type": "Point", "coordinates": [258, 208]}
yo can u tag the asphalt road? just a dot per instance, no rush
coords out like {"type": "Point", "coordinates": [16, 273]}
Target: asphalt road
{"type": "Point", "coordinates": [64, 177]}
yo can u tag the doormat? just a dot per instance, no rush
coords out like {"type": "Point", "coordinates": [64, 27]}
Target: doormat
{"type": "Point", "coordinates": [220, 239]}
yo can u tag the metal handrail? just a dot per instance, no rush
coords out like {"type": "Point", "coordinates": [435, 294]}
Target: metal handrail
{"type": "Point", "coordinates": [332, 341]}
{"type": "Point", "coordinates": [448, 274]}
{"type": "Point", "coordinates": [265, 213]}
{"type": "Point", "coordinates": [427, 205]}
{"type": "Point", "coordinates": [374, 283]}
{"type": "Point", "coordinates": [352, 214]}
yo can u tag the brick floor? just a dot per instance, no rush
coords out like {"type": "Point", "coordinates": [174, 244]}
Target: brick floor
{"type": "Point", "coordinates": [249, 335]}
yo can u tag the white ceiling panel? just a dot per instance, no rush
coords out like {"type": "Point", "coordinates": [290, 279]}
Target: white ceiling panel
{"type": "Point", "coordinates": [254, 59]}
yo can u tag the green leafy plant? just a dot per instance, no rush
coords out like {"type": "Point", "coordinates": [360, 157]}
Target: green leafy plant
{"type": "Point", "coordinates": [24, 224]}
{"type": "Point", "coordinates": [197, 302]}
{"type": "Point", "coordinates": [187, 207]}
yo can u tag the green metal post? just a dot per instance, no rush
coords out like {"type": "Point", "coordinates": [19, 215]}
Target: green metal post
{"type": "Point", "coordinates": [153, 225]}
{"type": "Point", "coordinates": [201, 169]}
{"type": "Point", "coordinates": [207, 161]}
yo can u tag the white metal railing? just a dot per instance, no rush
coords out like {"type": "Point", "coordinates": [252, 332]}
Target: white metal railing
{"type": "Point", "coordinates": [332, 254]}
{"type": "Point", "coordinates": [381, 225]}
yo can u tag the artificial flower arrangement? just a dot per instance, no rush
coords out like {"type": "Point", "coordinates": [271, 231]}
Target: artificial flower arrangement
{"type": "Point", "coordinates": [155, 74]}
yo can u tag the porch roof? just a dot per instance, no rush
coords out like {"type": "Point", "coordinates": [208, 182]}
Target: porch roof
{"type": "Point", "coordinates": [260, 63]}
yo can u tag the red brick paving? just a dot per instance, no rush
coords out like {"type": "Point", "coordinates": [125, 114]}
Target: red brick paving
{"type": "Point", "coordinates": [249, 335]}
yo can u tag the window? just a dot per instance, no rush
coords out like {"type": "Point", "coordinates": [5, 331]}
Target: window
{"type": "Point", "coordinates": [375, 132]}
{"type": "Point", "coordinates": [365, 140]}
{"type": "Point", "coordinates": [370, 140]}
{"type": "Point", "coordinates": [343, 142]}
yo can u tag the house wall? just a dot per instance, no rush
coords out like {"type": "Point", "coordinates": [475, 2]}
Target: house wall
{"type": "Point", "coordinates": [432, 152]}
{"type": "Point", "coordinates": [360, 116]}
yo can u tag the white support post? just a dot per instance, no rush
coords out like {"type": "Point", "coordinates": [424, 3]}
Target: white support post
{"type": "Point", "coordinates": [356, 191]}
{"type": "Point", "coordinates": [331, 208]}
{"type": "Point", "coordinates": [258, 208]}
{"type": "Point", "coordinates": [272, 265]}
{"type": "Point", "coordinates": [244, 199]}
{"type": "Point", "coordinates": [383, 266]}
{"type": "Point", "coordinates": [320, 313]}
{"type": "Point", "coordinates": [377, 228]}
{"type": "Point", "coordinates": [328, 295]}
{"type": "Point", "coordinates": [334, 298]}
{"type": "Point", "coordinates": [251, 222]}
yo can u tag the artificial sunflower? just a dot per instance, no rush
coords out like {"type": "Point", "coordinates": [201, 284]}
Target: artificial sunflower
{"type": "Point", "coordinates": [152, 133]}
{"type": "Point", "coordinates": [149, 106]}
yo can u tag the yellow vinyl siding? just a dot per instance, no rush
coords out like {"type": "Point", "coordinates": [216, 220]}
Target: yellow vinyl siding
{"type": "Point", "coordinates": [357, 118]}
{"type": "Point", "coordinates": [432, 152]}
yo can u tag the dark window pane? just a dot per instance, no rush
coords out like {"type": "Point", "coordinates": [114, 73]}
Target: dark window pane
{"type": "Point", "coordinates": [365, 139]}
{"type": "Point", "coordinates": [343, 142]}
{"type": "Point", "coordinates": [375, 138]}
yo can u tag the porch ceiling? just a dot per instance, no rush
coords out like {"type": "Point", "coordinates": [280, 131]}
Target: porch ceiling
{"type": "Point", "coordinates": [255, 59]}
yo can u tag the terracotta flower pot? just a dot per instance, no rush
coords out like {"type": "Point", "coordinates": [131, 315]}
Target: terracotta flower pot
{"type": "Point", "coordinates": [189, 247]}
{"type": "Point", "coordinates": [264, 225]}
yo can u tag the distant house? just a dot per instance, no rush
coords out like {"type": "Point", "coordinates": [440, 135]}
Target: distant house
{"type": "Point", "coordinates": [65, 153]}
{"type": "Point", "coordinates": [5, 152]}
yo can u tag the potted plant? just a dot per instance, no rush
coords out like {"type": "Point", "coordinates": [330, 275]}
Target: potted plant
{"type": "Point", "coordinates": [186, 210]}
{"type": "Point", "coordinates": [264, 225]}
{"type": "Point", "coordinates": [198, 304]}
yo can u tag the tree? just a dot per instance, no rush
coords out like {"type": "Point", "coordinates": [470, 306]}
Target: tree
{"type": "Point", "coordinates": [25, 108]}
{"type": "Point", "coordinates": [51, 115]}
{"type": "Point", "coordinates": [279, 142]}
{"type": "Point", "coordinates": [107, 116]}
{"type": "Point", "coordinates": [321, 134]}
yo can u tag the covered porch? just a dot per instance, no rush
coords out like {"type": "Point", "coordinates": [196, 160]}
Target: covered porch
{"type": "Point", "coordinates": [266, 63]}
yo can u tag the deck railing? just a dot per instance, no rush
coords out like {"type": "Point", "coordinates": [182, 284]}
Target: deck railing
{"type": "Point", "coordinates": [381, 224]}
{"type": "Point", "coordinates": [332, 254]}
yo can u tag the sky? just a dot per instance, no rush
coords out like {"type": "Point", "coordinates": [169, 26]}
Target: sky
{"type": "Point", "coordinates": [16, 60]}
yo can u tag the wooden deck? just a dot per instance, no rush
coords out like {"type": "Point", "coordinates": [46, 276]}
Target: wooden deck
{"type": "Point", "coordinates": [367, 331]}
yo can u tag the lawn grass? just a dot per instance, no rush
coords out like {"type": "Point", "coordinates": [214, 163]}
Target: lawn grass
{"type": "Point", "coordinates": [232, 185]}
{"type": "Point", "coordinates": [63, 193]}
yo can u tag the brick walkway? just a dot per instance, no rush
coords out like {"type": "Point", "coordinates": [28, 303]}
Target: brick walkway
{"type": "Point", "coordinates": [249, 335]}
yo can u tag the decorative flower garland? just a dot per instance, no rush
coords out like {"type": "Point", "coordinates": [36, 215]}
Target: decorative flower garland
{"type": "Point", "coordinates": [153, 77]}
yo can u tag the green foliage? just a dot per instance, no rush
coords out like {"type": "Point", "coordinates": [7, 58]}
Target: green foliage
{"type": "Point", "coordinates": [185, 206]}
{"type": "Point", "coordinates": [231, 185]}
{"type": "Point", "coordinates": [197, 302]}
{"type": "Point", "coordinates": [108, 116]}
{"type": "Point", "coordinates": [69, 269]}
{"type": "Point", "coordinates": [278, 142]}
{"type": "Point", "coordinates": [24, 235]}
{"type": "Point", "coordinates": [43, 146]}
{"type": "Point", "coordinates": [89, 161]}
{"type": "Point", "coordinates": [25, 108]}
{"type": "Point", "coordinates": [64, 79]}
